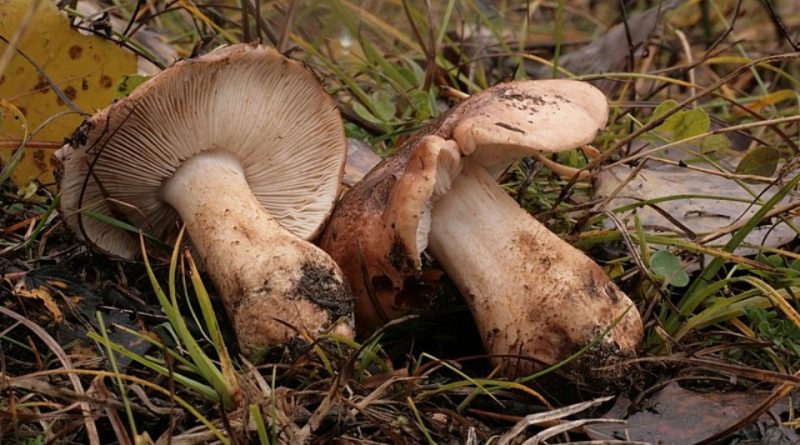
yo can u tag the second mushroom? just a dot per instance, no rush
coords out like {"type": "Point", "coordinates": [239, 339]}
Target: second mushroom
{"type": "Point", "coordinates": [535, 299]}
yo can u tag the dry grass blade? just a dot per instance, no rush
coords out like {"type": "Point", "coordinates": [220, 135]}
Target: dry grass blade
{"type": "Point", "coordinates": [287, 26]}
{"type": "Point", "coordinates": [739, 371]}
{"type": "Point", "coordinates": [575, 425]}
{"type": "Point", "coordinates": [609, 442]}
{"type": "Point", "coordinates": [377, 393]}
{"type": "Point", "coordinates": [535, 419]}
{"type": "Point", "coordinates": [99, 389]}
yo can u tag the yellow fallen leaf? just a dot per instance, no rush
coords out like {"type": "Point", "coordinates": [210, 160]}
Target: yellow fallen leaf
{"type": "Point", "coordinates": [769, 99]}
{"type": "Point", "coordinates": [85, 68]}
{"type": "Point", "coordinates": [58, 283]}
{"type": "Point", "coordinates": [84, 353]}
{"type": "Point", "coordinates": [42, 294]}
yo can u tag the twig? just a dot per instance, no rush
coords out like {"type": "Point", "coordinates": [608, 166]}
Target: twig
{"type": "Point", "coordinates": [287, 26]}
{"type": "Point", "coordinates": [728, 31]}
{"type": "Point", "coordinates": [779, 26]}
{"type": "Point", "coordinates": [12, 48]}
{"type": "Point", "coordinates": [693, 98]}
{"type": "Point", "coordinates": [724, 174]}
{"type": "Point", "coordinates": [644, 153]}
{"type": "Point", "coordinates": [736, 226]}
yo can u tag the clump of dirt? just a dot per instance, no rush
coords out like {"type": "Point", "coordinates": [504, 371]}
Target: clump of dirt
{"type": "Point", "coordinates": [318, 284]}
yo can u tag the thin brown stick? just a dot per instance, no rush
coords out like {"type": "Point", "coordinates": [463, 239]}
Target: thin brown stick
{"type": "Point", "coordinates": [287, 26]}
{"type": "Point", "coordinates": [724, 174]}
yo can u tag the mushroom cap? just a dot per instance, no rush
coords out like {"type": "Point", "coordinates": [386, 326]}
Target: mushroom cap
{"type": "Point", "coordinates": [248, 100]}
{"type": "Point", "coordinates": [516, 119]}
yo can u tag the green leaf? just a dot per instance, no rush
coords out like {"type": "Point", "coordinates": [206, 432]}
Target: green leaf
{"type": "Point", "coordinates": [760, 161]}
{"type": "Point", "coordinates": [352, 130]}
{"type": "Point", "coordinates": [663, 108]}
{"type": "Point", "coordinates": [128, 83]}
{"type": "Point", "coordinates": [685, 124]}
{"type": "Point", "coordinates": [421, 103]}
{"type": "Point", "coordinates": [384, 107]}
{"type": "Point", "coordinates": [668, 267]}
{"type": "Point", "coordinates": [363, 113]}
{"type": "Point", "coordinates": [519, 72]}
{"type": "Point", "coordinates": [715, 143]}
{"type": "Point", "coordinates": [414, 73]}
{"type": "Point", "coordinates": [775, 261]}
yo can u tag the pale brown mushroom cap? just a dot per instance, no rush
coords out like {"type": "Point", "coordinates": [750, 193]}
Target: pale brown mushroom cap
{"type": "Point", "coordinates": [266, 110]}
{"type": "Point", "coordinates": [516, 119]}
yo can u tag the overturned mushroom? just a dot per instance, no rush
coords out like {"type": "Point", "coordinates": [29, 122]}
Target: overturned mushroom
{"type": "Point", "coordinates": [248, 150]}
{"type": "Point", "coordinates": [533, 295]}
{"type": "Point", "coordinates": [380, 228]}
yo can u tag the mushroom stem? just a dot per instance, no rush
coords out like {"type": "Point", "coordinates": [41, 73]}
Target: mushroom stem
{"type": "Point", "coordinates": [275, 286]}
{"type": "Point", "coordinates": [531, 293]}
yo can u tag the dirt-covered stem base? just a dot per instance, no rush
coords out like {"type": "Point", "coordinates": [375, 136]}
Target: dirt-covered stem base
{"type": "Point", "coordinates": [275, 286]}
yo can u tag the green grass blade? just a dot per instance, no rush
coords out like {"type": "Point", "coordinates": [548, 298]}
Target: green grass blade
{"type": "Point", "coordinates": [203, 390]}
{"type": "Point", "coordinates": [125, 226]}
{"type": "Point", "coordinates": [120, 384]}
{"type": "Point", "coordinates": [261, 429]}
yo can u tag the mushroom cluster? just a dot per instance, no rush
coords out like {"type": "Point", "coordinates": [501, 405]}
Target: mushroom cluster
{"type": "Point", "coordinates": [245, 147]}
{"type": "Point", "coordinates": [535, 298]}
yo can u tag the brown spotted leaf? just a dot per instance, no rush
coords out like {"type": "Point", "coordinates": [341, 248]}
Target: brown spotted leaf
{"type": "Point", "coordinates": [84, 68]}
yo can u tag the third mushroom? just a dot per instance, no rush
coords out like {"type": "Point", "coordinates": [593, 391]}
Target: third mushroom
{"type": "Point", "coordinates": [535, 298]}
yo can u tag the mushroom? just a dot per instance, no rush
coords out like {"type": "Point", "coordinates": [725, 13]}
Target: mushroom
{"type": "Point", "coordinates": [247, 149]}
{"type": "Point", "coordinates": [534, 297]}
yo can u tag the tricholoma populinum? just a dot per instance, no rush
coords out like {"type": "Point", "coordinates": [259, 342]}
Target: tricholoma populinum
{"type": "Point", "coordinates": [535, 298]}
{"type": "Point", "coordinates": [244, 146]}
